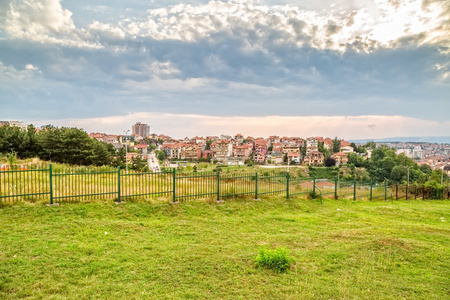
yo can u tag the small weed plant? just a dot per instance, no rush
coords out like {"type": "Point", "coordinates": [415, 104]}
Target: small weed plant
{"type": "Point", "coordinates": [277, 259]}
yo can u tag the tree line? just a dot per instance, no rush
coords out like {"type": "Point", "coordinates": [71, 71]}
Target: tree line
{"type": "Point", "coordinates": [385, 164]}
{"type": "Point", "coordinates": [62, 145]}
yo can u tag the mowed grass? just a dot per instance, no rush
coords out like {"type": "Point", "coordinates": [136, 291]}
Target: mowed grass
{"type": "Point", "coordinates": [198, 250]}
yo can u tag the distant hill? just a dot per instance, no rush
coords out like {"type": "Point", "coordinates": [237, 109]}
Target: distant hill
{"type": "Point", "coordinates": [423, 139]}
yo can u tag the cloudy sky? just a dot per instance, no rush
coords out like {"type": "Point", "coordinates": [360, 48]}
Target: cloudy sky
{"type": "Point", "coordinates": [352, 69]}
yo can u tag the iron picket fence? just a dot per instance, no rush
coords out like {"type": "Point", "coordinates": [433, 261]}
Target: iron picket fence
{"type": "Point", "coordinates": [146, 184]}
{"type": "Point", "coordinates": [23, 182]}
{"type": "Point", "coordinates": [32, 183]}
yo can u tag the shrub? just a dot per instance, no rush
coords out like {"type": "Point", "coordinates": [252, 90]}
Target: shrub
{"type": "Point", "coordinates": [277, 259]}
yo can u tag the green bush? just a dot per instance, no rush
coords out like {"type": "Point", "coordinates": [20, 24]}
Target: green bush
{"type": "Point", "coordinates": [277, 259]}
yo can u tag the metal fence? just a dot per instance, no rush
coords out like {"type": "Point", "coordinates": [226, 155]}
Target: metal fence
{"type": "Point", "coordinates": [410, 192]}
{"type": "Point", "coordinates": [43, 182]}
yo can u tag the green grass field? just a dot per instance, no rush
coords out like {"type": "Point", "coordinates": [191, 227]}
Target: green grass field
{"type": "Point", "coordinates": [198, 250]}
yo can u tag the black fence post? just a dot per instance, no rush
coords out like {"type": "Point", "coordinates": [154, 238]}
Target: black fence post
{"type": "Point", "coordinates": [50, 171]}
{"type": "Point", "coordinates": [335, 188]}
{"type": "Point", "coordinates": [314, 187]}
{"type": "Point", "coordinates": [218, 186]}
{"type": "Point", "coordinates": [118, 184]}
{"type": "Point", "coordinates": [174, 198]}
{"type": "Point", "coordinates": [287, 185]}
{"type": "Point", "coordinates": [385, 190]}
{"type": "Point", "coordinates": [256, 185]}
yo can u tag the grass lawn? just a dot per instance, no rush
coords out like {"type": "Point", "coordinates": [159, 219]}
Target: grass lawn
{"type": "Point", "coordinates": [197, 250]}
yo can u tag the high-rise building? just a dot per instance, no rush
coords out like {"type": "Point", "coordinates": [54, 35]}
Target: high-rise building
{"type": "Point", "coordinates": [140, 129]}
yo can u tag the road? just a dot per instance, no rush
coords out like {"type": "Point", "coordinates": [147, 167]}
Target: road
{"type": "Point", "coordinates": [153, 163]}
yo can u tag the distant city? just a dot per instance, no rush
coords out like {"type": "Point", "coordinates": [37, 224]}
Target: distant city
{"type": "Point", "coordinates": [238, 149]}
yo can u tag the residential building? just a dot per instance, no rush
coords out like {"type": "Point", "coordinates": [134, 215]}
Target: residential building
{"type": "Point", "coordinates": [234, 161]}
{"type": "Point", "coordinates": [127, 139]}
{"type": "Point", "coordinates": [242, 151]}
{"type": "Point", "coordinates": [261, 145]}
{"type": "Point", "coordinates": [192, 152]}
{"type": "Point", "coordinates": [294, 158]}
{"type": "Point", "coordinates": [341, 158]}
{"type": "Point", "coordinates": [140, 129]}
{"type": "Point", "coordinates": [274, 139]}
{"type": "Point", "coordinates": [259, 157]}
{"type": "Point", "coordinates": [347, 149]}
{"type": "Point", "coordinates": [291, 149]}
{"type": "Point", "coordinates": [222, 149]}
{"type": "Point", "coordinates": [328, 144]}
{"type": "Point", "coordinates": [418, 153]}
{"type": "Point", "coordinates": [142, 148]}
{"type": "Point", "coordinates": [314, 158]}
{"type": "Point", "coordinates": [239, 138]}
{"type": "Point", "coordinates": [311, 143]}
{"type": "Point", "coordinates": [275, 158]}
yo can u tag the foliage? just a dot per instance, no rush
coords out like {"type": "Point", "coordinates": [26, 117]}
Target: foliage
{"type": "Point", "coordinates": [426, 169]}
{"type": "Point", "coordinates": [385, 164]}
{"type": "Point", "coordinates": [277, 259]}
{"type": "Point", "coordinates": [23, 142]}
{"type": "Point", "coordinates": [330, 162]}
{"type": "Point", "coordinates": [63, 145]}
{"type": "Point", "coordinates": [358, 149]}
{"type": "Point", "coordinates": [323, 173]}
{"type": "Point", "coordinates": [139, 164]}
{"type": "Point", "coordinates": [119, 159]}
{"type": "Point", "coordinates": [12, 158]}
{"type": "Point", "coordinates": [161, 155]}
{"type": "Point", "coordinates": [72, 146]}
{"type": "Point", "coordinates": [356, 160]}
{"type": "Point", "coordinates": [208, 145]}
{"type": "Point", "coordinates": [336, 145]}
{"type": "Point", "coordinates": [321, 148]}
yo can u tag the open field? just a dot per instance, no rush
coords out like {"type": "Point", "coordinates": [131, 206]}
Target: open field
{"type": "Point", "coordinates": [197, 250]}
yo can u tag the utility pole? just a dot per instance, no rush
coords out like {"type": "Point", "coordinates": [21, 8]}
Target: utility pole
{"type": "Point", "coordinates": [408, 174]}
{"type": "Point", "coordinates": [126, 150]}
{"type": "Point", "coordinates": [288, 162]}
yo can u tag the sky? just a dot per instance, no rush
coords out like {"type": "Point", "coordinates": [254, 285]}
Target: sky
{"type": "Point", "coordinates": [349, 69]}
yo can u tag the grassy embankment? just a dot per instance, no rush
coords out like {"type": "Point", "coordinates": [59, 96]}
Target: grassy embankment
{"type": "Point", "coordinates": [343, 250]}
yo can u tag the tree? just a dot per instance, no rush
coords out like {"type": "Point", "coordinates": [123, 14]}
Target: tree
{"type": "Point", "coordinates": [330, 162]}
{"type": "Point", "coordinates": [372, 145]}
{"type": "Point", "coordinates": [208, 145]}
{"type": "Point", "coordinates": [22, 142]}
{"type": "Point", "coordinates": [72, 146]}
{"type": "Point", "coordinates": [322, 149]}
{"type": "Point", "coordinates": [399, 174]}
{"type": "Point", "coordinates": [355, 159]}
{"type": "Point", "coordinates": [161, 155]}
{"type": "Point", "coordinates": [336, 145]}
{"type": "Point", "coordinates": [426, 169]}
{"type": "Point", "coordinates": [119, 158]}
{"type": "Point", "coordinates": [139, 164]}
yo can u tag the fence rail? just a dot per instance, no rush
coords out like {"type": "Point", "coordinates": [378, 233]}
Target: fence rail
{"type": "Point", "coordinates": [82, 184]}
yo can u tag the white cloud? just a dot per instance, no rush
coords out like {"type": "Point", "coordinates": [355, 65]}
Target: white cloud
{"type": "Point", "coordinates": [260, 26]}
{"type": "Point", "coordinates": [44, 21]}
{"type": "Point", "coordinates": [101, 9]}
{"type": "Point", "coordinates": [348, 127]}
{"type": "Point", "coordinates": [10, 74]}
